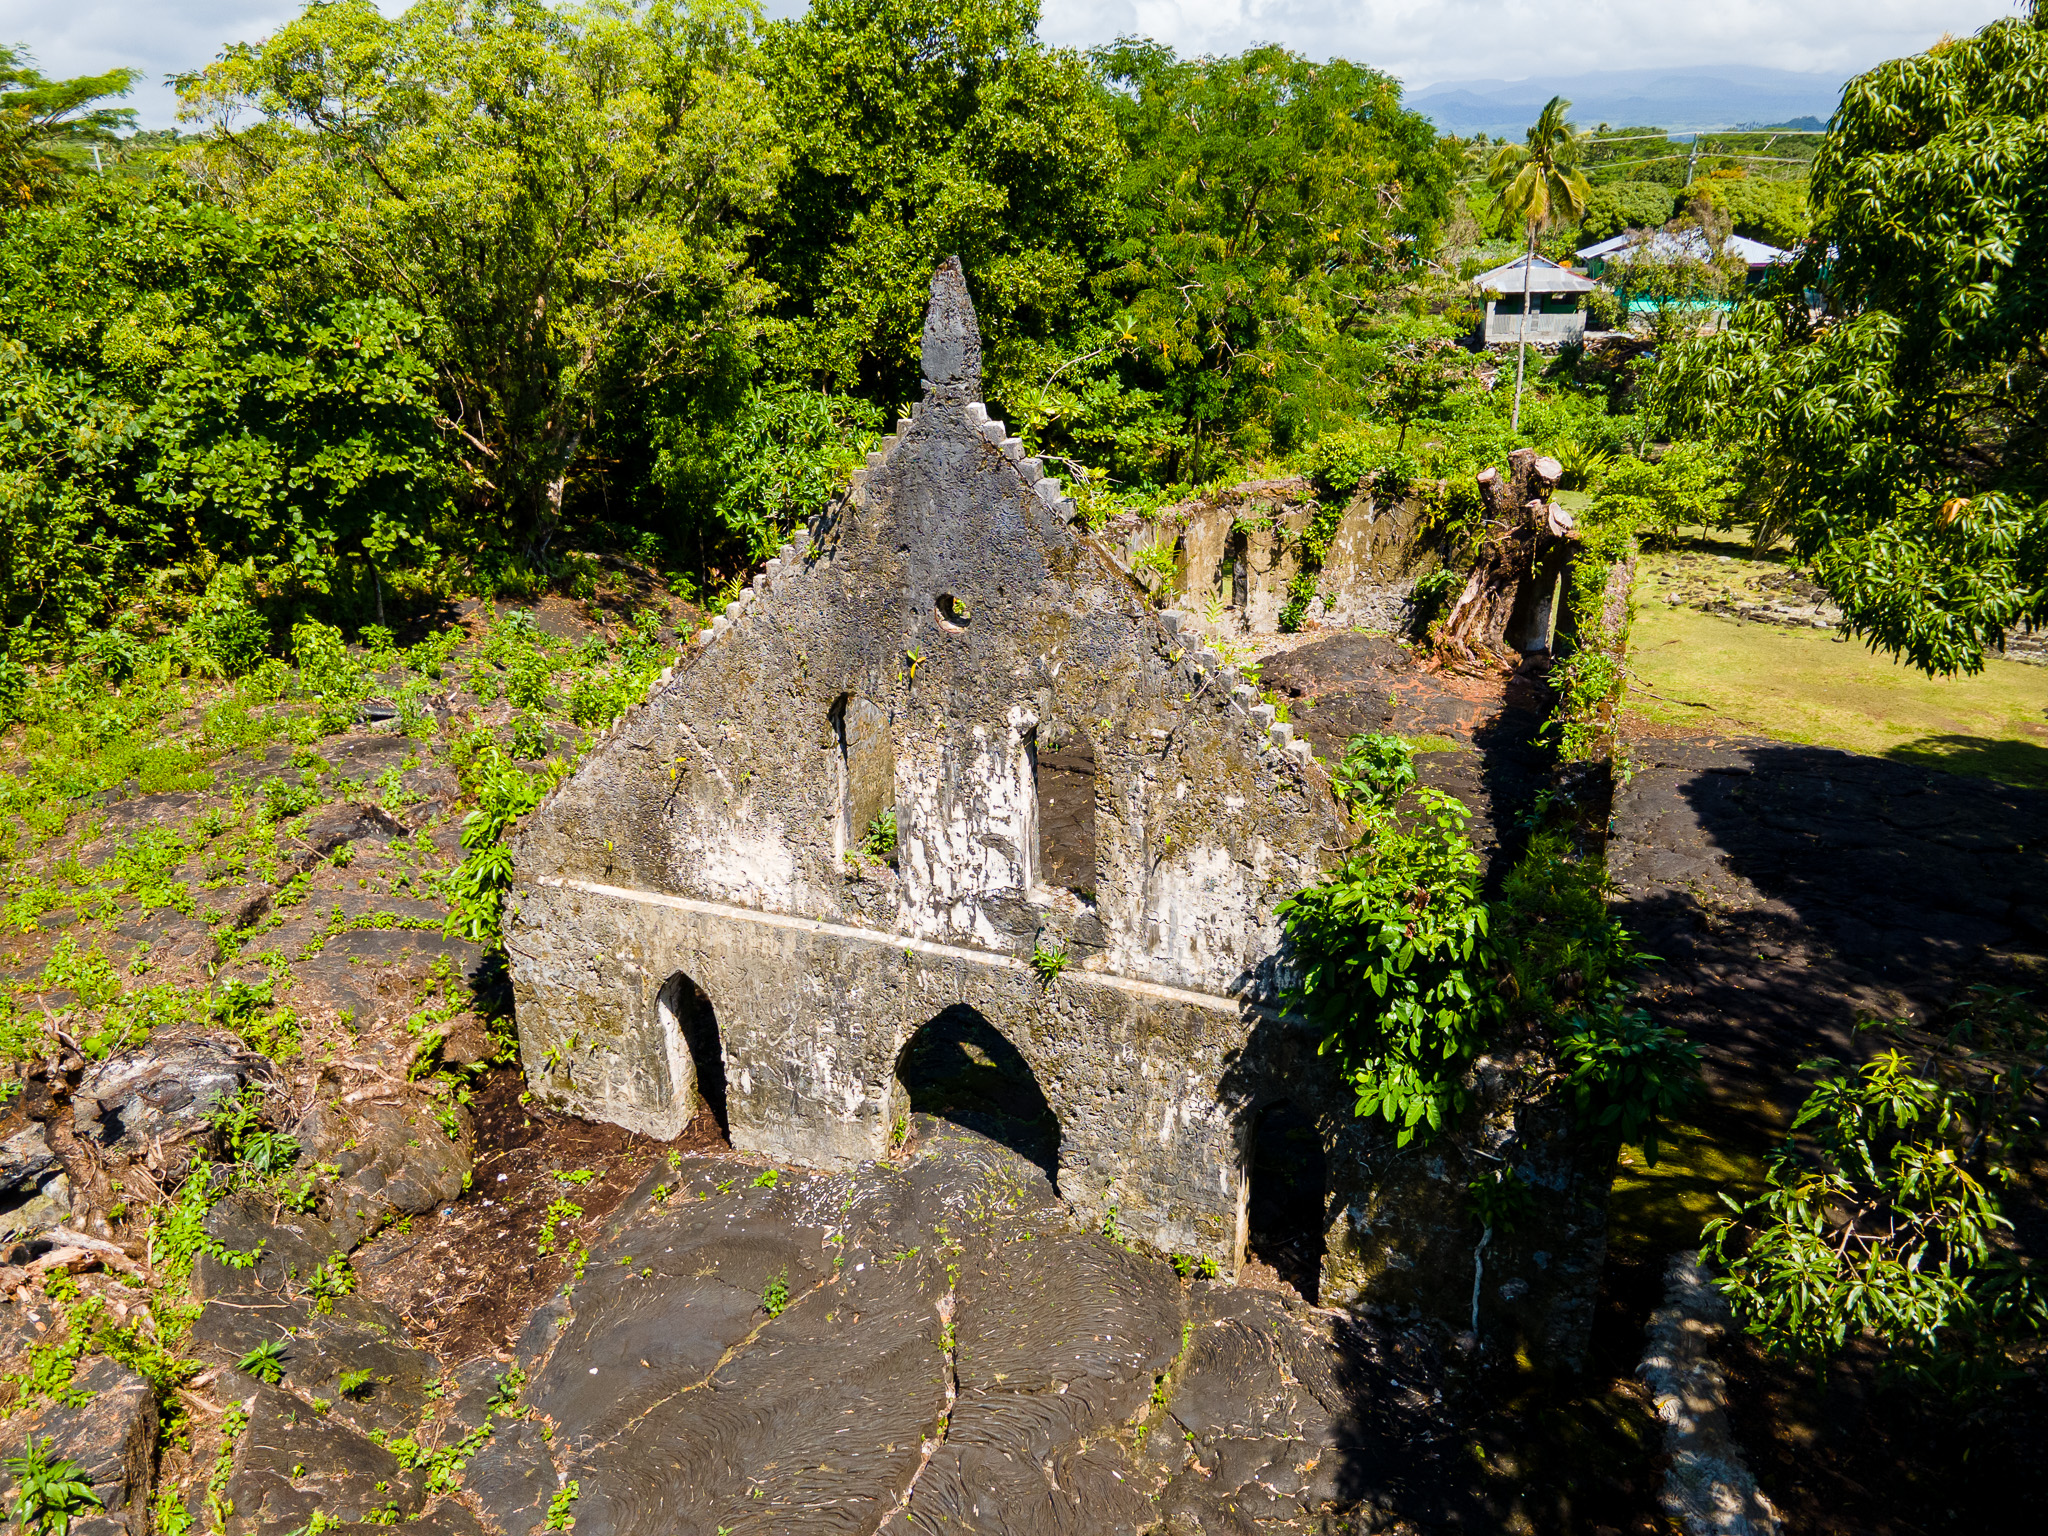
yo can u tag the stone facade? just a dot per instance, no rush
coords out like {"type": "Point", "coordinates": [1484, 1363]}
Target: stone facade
{"type": "Point", "coordinates": [696, 904]}
{"type": "Point", "coordinates": [942, 627]}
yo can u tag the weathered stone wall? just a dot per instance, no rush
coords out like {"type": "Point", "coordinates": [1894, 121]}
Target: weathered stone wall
{"type": "Point", "coordinates": [814, 1019]}
{"type": "Point", "coordinates": [949, 594]}
{"type": "Point", "coordinates": [1237, 551]}
{"type": "Point", "coordinates": [916, 650]}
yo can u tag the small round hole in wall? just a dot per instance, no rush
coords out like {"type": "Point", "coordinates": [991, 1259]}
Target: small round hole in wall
{"type": "Point", "coordinates": [954, 612]}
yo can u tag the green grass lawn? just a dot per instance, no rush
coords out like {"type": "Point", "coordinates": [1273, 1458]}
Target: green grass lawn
{"type": "Point", "coordinates": [1709, 672]}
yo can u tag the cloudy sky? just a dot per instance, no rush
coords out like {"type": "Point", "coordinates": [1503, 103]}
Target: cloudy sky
{"type": "Point", "coordinates": [1424, 42]}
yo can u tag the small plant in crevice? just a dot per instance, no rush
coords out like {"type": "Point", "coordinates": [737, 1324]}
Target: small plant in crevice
{"type": "Point", "coordinates": [775, 1296]}
{"type": "Point", "coordinates": [48, 1492]}
{"type": "Point", "coordinates": [330, 1282]}
{"type": "Point", "coordinates": [1162, 560]}
{"type": "Point", "coordinates": [559, 1518]}
{"type": "Point", "coordinates": [265, 1362]}
{"type": "Point", "coordinates": [505, 1391]}
{"type": "Point", "coordinates": [559, 1211]}
{"type": "Point", "coordinates": [1048, 960]}
{"type": "Point", "coordinates": [879, 841]}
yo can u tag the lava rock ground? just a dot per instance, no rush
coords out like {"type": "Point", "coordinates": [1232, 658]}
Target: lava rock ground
{"type": "Point", "coordinates": [1488, 753]}
{"type": "Point", "coordinates": [752, 1350]}
{"type": "Point", "coordinates": [1790, 892]}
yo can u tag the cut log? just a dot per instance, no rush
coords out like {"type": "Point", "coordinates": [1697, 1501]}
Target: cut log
{"type": "Point", "coordinates": [1527, 545]}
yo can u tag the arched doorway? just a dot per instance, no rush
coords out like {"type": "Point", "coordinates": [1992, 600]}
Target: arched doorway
{"type": "Point", "coordinates": [1284, 1211]}
{"type": "Point", "coordinates": [960, 1069]}
{"type": "Point", "coordinates": [684, 1008]}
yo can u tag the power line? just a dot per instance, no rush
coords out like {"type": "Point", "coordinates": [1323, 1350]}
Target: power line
{"type": "Point", "coordinates": [1608, 165]}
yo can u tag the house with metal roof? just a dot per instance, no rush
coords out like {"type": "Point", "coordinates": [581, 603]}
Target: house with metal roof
{"type": "Point", "coordinates": [1664, 245]}
{"type": "Point", "coordinates": [1555, 297]}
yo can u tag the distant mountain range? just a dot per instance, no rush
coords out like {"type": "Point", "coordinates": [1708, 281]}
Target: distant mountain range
{"type": "Point", "coordinates": [1691, 97]}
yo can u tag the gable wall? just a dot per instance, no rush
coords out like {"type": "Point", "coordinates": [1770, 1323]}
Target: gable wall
{"type": "Point", "coordinates": [708, 835]}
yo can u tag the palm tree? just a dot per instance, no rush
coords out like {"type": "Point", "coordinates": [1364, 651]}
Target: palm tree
{"type": "Point", "coordinates": [1539, 183]}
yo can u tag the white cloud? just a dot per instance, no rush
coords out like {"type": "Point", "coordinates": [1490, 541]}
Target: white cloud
{"type": "Point", "coordinates": [1424, 42]}
{"type": "Point", "coordinates": [1427, 42]}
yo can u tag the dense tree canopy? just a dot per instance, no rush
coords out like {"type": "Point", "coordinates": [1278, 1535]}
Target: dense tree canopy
{"type": "Point", "coordinates": [42, 119]}
{"type": "Point", "coordinates": [176, 387]}
{"type": "Point", "coordinates": [1266, 196]}
{"type": "Point", "coordinates": [650, 273]}
{"type": "Point", "coordinates": [1900, 433]}
{"type": "Point", "coordinates": [563, 195]}
{"type": "Point", "coordinates": [919, 130]}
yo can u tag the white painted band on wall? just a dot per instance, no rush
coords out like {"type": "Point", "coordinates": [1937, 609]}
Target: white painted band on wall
{"type": "Point", "coordinates": [1214, 1002]}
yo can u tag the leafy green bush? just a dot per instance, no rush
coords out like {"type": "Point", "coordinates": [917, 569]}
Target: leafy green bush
{"type": "Point", "coordinates": [330, 673]}
{"type": "Point", "coordinates": [531, 738]}
{"type": "Point", "coordinates": [879, 841]}
{"type": "Point", "coordinates": [234, 636]}
{"type": "Point", "coordinates": [1604, 311]}
{"type": "Point", "coordinates": [1886, 1228]}
{"type": "Point", "coordinates": [1690, 485]}
{"type": "Point", "coordinates": [476, 887]}
{"type": "Point", "coordinates": [1432, 596]}
{"type": "Point", "coordinates": [1558, 942]}
{"type": "Point", "coordinates": [1338, 463]}
{"type": "Point", "coordinates": [1629, 1075]}
{"type": "Point", "coordinates": [1392, 948]}
{"type": "Point", "coordinates": [1408, 975]}
{"type": "Point", "coordinates": [1624, 205]}
{"type": "Point", "coordinates": [1374, 773]}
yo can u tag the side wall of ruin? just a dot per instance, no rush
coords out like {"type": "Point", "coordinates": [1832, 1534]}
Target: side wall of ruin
{"type": "Point", "coordinates": [1237, 552]}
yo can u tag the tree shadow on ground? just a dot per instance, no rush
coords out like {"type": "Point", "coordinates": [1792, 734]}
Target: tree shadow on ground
{"type": "Point", "coordinates": [2023, 763]}
{"type": "Point", "coordinates": [1792, 893]}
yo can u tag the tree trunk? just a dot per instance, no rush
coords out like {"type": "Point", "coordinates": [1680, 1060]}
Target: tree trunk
{"type": "Point", "coordinates": [1522, 329]}
{"type": "Point", "coordinates": [552, 496]}
{"type": "Point", "coordinates": [1528, 542]}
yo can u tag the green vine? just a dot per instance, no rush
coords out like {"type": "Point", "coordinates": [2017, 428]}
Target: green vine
{"type": "Point", "coordinates": [1311, 552]}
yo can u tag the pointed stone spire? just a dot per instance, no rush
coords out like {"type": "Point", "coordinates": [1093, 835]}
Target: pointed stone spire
{"type": "Point", "coordinates": [952, 339]}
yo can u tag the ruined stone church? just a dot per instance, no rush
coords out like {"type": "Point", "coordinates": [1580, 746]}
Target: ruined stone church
{"type": "Point", "coordinates": [1094, 820]}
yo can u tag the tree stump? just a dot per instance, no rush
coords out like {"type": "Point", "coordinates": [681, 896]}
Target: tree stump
{"type": "Point", "coordinates": [1527, 545]}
